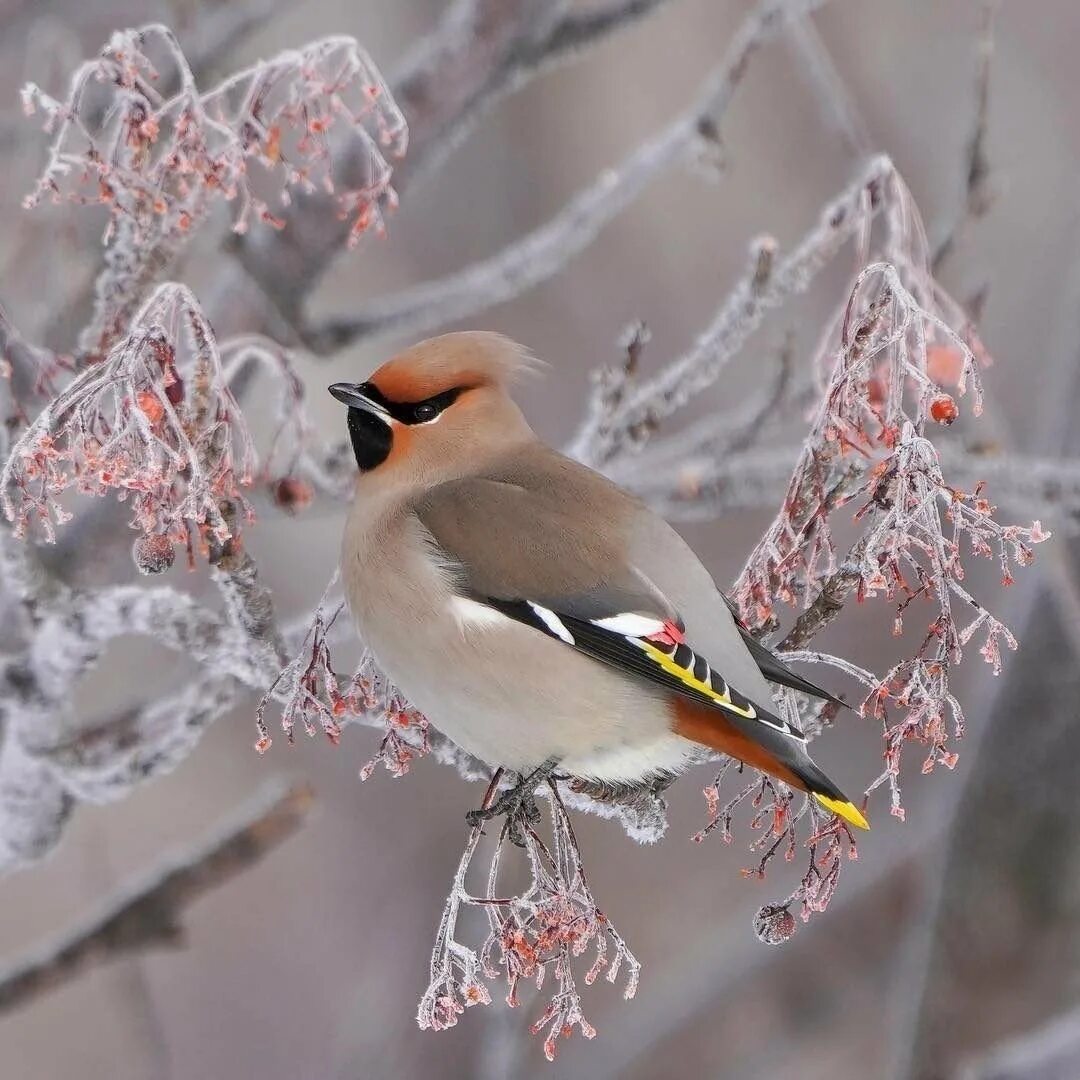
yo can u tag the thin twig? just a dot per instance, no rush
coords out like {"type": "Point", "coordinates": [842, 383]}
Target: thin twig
{"type": "Point", "coordinates": [841, 111]}
{"type": "Point", "coordinates": [149, 914]}
{"type": "Point", "coordinates": [767, 282]}
{"type": "Point", "coordinates": [978, 193]}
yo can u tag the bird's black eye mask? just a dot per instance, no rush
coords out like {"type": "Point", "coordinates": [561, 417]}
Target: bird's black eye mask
{"type": "Point", "coordinates": [369, 430]}
{"type": "Point", "coordinates": [412, 412]}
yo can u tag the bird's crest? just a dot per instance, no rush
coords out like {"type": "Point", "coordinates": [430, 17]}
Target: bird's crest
{"type": "Point", "coordinates": [466, 359]}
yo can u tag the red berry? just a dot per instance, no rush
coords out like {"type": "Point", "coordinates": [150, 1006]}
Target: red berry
{"type": "Point", "coordinates": [151, 405]}
{"type": "Point", "coordinates": [292, 494]}
{"type": "Point", "coordinates": [943, 409]}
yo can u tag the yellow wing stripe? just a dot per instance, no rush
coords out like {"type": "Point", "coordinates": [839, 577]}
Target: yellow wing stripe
{"type": "Point", "coordinates": [848, 811]}
{"type": "Point", "coordinates": [687, 676]}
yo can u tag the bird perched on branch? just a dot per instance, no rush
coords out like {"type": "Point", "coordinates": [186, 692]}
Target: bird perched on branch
{"type": "Point", "coordinates": [538, 615]}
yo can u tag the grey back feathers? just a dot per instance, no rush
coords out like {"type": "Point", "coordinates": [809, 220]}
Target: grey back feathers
{"type": "Point", "coordinates": [538, 526]}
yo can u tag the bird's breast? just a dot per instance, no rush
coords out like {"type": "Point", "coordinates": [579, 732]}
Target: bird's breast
{"type": "Point", "coordinates": [503, 691]}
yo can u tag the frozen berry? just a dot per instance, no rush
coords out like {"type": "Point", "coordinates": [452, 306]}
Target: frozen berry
{"type": "Point", "coordinates": [774, 925]}
{"type": "Point", "coordinates": [154, 553]}
{"type": "Point", "coordinates": [292, 494]}
{"type": "Point", "coordinates": [943, 409]}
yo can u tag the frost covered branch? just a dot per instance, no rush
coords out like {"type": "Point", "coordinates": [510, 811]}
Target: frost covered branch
{"type": "Point", "coordinates": [539, 255]}
{"type": "Point", "coordinates": [150, 914]}
{"type": "Point", "coordinates": [480, 52]}
{"type": "Point", "coordinates": [767, 283]}
{"type": "Point", "coordinates": [577, 31]}
{"type": "Point", "coordinates": [156, 421]}
{"type": "Point", "coordinates": [150, 416]}
{"type": "Point", "coordinates": [978, 192]}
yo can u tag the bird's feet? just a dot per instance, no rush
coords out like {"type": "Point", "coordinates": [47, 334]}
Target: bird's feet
{"type": "Point", "coordinates": [517, 805]}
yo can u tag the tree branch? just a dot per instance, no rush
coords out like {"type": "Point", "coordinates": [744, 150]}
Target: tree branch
{"type": "Point", "coordinates": [481, 50]}
{"type": "Point", "coordinates": [149, 914]}
{"type": "Point", "coordinates": [829, 87]}
{"type": "Point", "coordinates": [540, 254]}
{"type": "Point", "coordinates": [578, 31]}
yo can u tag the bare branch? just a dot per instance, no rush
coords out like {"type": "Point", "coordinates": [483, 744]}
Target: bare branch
{"type": "Point", "coordinates": [540, 254]}
{"type": "Point", "coordinates": [527, 262]}
{"type": "Point", "coordinates": [149, 914]}
{"type": "Point", "coordinates": [829, 87]}
{"type": "Point", "coordinates": [249, 605]}
{"type": "Point", "coordinates": [104, 761]}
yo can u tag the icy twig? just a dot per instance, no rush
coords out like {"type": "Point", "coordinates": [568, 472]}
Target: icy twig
{"type": "Point", "coordinates": [533, 936]}
{"type": "Point", "coordinates": [769, 280]}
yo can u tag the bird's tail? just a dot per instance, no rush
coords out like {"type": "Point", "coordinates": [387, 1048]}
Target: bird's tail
{"type": "Point", "coordinates": [827, 793]}
{"type": "Point", "coordinates": [767, 743]}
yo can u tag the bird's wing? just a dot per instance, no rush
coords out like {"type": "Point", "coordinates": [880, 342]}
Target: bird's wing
{"type": "Point", "coordinates": [533, 559]}
{"type": "Point", "coordinates": [648, 646]}
{"type": "Point", "coordinates": [508, 541]}
{"type": "Point", "coordinates": [537, 560]}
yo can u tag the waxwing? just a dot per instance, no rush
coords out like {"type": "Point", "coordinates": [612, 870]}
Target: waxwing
{"type": "Point", "coordinates": [541, 617]}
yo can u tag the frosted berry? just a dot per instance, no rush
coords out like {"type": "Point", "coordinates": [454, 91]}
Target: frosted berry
{"type": "Point", "coordinates": [153, 553]}
{"type": "Point", "coordinates": [943, 409]}
{"type": "Point", "coordinates": [774, 925]}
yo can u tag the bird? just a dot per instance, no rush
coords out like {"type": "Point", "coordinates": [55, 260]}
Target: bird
{"type": "Point", "coordinates": [541, 617]}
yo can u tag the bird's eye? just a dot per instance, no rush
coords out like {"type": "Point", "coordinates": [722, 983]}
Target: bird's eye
{"type": "Point", "coordinates": [424, 412]}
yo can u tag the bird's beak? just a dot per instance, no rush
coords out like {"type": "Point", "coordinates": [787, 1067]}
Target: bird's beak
{"type": "Point", "coordinates": [352, 394]}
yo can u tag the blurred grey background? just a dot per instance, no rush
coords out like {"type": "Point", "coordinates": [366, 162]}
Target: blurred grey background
{"type": "Point", "coordinates": [310, 965]}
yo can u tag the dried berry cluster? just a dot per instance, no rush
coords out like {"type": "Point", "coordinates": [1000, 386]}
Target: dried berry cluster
{"type": "Point", "coordinates": [137, 136]}
{"type": "Point", "coordinates": [156, 423]}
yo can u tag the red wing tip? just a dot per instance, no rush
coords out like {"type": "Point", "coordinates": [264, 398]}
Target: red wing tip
{"type": "Point", "coordinates": [672, 634]}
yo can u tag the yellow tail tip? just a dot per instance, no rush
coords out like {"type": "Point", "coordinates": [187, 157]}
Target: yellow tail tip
{"type": "Point", "coordinates": [848, 811]}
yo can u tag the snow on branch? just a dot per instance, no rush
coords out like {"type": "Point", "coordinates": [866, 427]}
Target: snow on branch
{"type": "Point", "coordinates": [136, 135]}
{"type": "Point", "coordinates": [540, 254]}
{"type": "Point", "coordinates": [623, 413]}
{"type": "Point", "coordinates": [897, 357]}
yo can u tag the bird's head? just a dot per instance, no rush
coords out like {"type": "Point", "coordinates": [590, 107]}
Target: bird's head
{"type": "Point", "coordinates": [437, 410]}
